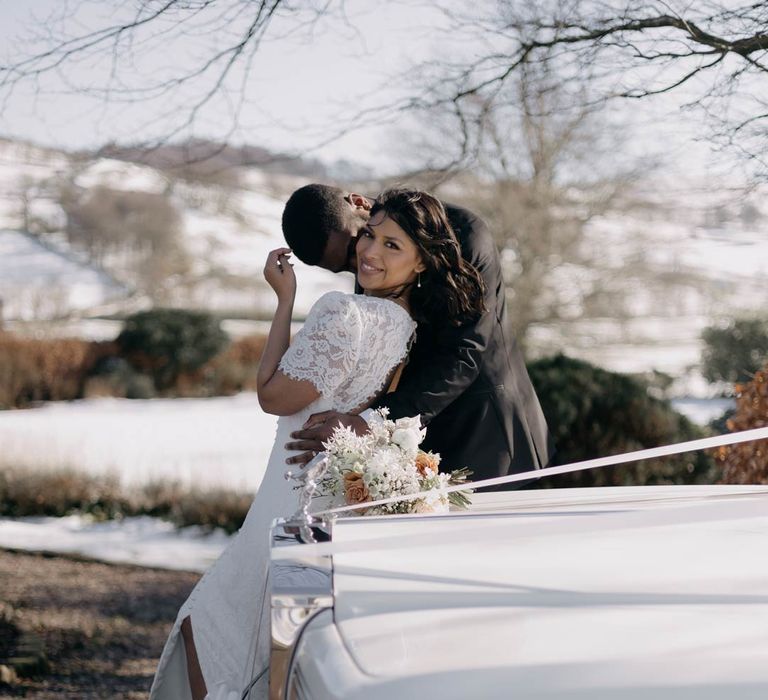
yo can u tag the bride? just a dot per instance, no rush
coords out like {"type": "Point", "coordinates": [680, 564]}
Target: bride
{"type": "Point", "coordinates": [350, 350]}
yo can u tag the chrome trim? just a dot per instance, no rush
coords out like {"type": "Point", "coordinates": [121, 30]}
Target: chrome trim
{"type": "Point", "coordinates": [308, 479]}
{"type": "Point", "coordinates": [300, 587]}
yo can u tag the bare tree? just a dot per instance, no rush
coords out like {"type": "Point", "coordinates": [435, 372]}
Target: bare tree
{"type": "Point", "coordinates": [712, 54]}
{"type": "Point", "coordinates": [543, 173]}
{"type": "Point", "coordinates": [714, 51]}
{"type": "Point", "coordinates": [177, 57]}
{"type": "Point", "coordinates": [559, 189]}
{"type": "Point", "coordinates": [134, 234]}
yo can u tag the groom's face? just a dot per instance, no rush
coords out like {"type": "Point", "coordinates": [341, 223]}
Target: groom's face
{"type": "Point", "coordinates": [339, 254]}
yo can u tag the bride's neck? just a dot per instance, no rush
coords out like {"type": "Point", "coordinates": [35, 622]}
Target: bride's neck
{"type": "Point", "coordinates": [402, 299]}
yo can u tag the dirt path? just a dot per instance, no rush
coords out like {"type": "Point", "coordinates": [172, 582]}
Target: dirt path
{"type": "Point", "coordinates": [101, 626]}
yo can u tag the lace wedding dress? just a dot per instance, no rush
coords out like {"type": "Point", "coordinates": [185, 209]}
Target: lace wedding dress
{"type": "Point", "coordinates": [348, 348]}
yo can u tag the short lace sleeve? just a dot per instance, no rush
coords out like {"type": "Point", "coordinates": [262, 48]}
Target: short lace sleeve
{"type": "Point", "coordinates": [326, 350]}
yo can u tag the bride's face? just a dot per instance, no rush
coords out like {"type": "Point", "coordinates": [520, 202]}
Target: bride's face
{"type": "Point", "coordinates": [387, 258]}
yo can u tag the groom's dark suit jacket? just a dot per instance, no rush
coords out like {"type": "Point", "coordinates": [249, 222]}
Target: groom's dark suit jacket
{"type": "Point", "coordinates": [470, 384]}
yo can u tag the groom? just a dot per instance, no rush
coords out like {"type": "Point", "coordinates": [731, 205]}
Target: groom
{"type": "Point", "coordinates": [469, 384]}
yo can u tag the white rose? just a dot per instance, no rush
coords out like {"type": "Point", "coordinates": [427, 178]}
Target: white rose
{"type": "Point", "coordinates": [412, 423]}
{"type": "Point", "coordinates": [408, 440]}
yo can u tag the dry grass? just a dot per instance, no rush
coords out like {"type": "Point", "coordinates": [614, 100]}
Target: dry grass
{"type": "Point", "coordinates": [67, 491]}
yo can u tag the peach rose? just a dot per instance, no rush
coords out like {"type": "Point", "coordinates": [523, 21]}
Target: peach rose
{"type": "Point", "coordinates": [427, 463]}
{"type": "Point", "coordinates": [422, 508]}
{"type": "Point", "coordinates": [355, 490]}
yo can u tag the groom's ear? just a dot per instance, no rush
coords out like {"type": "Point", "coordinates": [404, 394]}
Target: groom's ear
{"type": "Point", "coordinates": [359, 201]}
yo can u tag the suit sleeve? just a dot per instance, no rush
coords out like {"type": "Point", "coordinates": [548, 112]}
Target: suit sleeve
{"type": "Point", "coordinates": [443, 378]}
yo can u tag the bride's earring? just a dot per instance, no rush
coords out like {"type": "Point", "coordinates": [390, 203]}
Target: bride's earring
{"type": "Point", "coordinates": [418, 280]}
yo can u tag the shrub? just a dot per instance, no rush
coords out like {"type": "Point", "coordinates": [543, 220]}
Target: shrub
{"type": "Point", "coordinates": [747, 463]}
{"type": "Point", "coordinates": [235, 369]}
{"type": "Point", "coordinates": [33, 370]}
{"type": "Point", "coordinates": [168, 342]}
{"type": "Point", "coordinates": [114, 376]}
{"type": "Point", "coordinates": [595, 413]}
{"type": "Point", "coordinates": [734, 353]}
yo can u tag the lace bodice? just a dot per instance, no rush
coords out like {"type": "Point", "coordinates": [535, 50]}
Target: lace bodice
{"type": "Point", "coordinates": [348, 347]}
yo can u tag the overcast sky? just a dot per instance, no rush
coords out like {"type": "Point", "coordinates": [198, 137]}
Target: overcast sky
{"type": "Point", "coordinates": [300, 88]}
{"type": "Point", "coordinates": [297, 83]}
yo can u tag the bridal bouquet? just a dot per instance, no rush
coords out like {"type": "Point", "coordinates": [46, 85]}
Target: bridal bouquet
{"type": "Point", "coordinates": [387, 462]}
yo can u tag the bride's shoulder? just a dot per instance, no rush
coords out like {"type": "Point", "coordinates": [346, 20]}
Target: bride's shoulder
{"type": "Point", "coordinates": [334, 308]}
{"type": "Point", "coordinates": [331, 300]}
{"type": "Point", "coordinates": [366, 309]}
{"type": "Point", "coordinates": [385, 314]}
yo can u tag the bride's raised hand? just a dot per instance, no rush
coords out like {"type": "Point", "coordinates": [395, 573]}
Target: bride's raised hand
{"type": "Point", "coordinates": [279, 274]}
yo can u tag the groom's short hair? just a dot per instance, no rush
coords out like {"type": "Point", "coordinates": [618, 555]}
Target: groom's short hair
{"type": "Point", "coordinates": [311, 214]}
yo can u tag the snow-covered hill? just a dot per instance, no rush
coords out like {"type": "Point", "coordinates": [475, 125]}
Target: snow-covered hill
{"type": "Point", "coordinates": [708, 253]}
{"type": "Point", "coordinates": [40, 282]}
{"type": "Point", "coordinates": [704, 271]}
{"type": "Point", "coordinates": [225, 231]}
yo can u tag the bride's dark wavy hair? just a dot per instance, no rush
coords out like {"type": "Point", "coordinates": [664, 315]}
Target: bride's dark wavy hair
{"type": "Point", "coordinates": [451, 288]}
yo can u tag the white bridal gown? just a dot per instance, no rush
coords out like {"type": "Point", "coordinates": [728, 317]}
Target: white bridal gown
{"type": "Point", "coordinates": [347, 348]}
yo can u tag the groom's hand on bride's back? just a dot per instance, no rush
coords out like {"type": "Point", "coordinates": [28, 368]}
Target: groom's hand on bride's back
{"type": "Point", "coordinates": [318, 429]}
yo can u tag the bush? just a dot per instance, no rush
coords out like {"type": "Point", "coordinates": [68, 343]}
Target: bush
{"type": "Point", "coordinates": [734, 353]}
{"type": "Point", "coordinates": [235, 369]}
{"type": "Point", "coordinates": [114, 376]}
{"type": "Point", "coordinates": [595, 413]}
{"type": "Point", "coordinates": [33, 370]}
{"type": "Point", "coordinates": [165, 343]}
{"type": "Point", "coordinates": [208, 509]}
{"type": "Point", "coordinates": [747, 463]}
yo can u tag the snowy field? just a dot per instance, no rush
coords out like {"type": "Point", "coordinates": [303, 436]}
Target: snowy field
{"type": "Point", "coordinates": [219, 442]}
{"type": "Point", "coordinates": [143, 541]}
{"type": "Point", "coordinates": [209, 443]}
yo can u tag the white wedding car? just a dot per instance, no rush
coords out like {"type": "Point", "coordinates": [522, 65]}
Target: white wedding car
{"type": "Point", "coordinates": [600, 594]}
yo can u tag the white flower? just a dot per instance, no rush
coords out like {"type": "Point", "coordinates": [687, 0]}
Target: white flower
{"type": "Point", "coordinates": [386, 459]}
{"type": "Point", "coordinates": [407, 439]}
{"type": "Point", "coordinates": [412, 423]}
{"type": "Point", "coordinates": [407, 434]}
{"type": "Point", "coordinates": [436, 500]}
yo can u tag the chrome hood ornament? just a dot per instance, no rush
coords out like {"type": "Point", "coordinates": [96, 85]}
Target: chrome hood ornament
{"type": "Point", "coordinates": [308, 479]}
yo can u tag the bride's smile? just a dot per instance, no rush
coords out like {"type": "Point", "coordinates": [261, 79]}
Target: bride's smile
{"type": "Point", "coordinates": [388, 261]}
{"type": "Point", "coordinates": [367, 268]}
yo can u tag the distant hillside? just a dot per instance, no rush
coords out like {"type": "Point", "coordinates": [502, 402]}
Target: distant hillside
{"type": "Point", "coordinates": [140, 228]}
{"type": "Point", "coordinates": [211, 158]}
{"type": "Point", "coordinates": [188, 242]}
{"type": "Point", "coordinates": [37, 281]}
{"type": "Point", "coordinates": [201, 159]}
